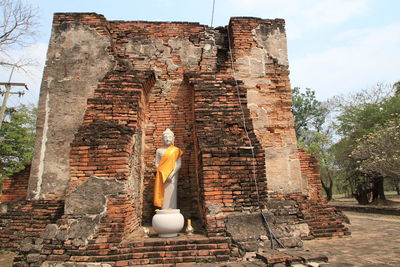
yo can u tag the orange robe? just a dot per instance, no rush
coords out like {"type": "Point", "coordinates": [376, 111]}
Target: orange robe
{"type": "Point", "coordinates": [164, 169]}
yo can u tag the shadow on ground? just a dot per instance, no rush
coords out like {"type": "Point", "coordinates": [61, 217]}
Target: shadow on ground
{"type": "Point", "coordinates": [374, 241]}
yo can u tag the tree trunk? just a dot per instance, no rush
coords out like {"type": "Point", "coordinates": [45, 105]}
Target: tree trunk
{"type": "Point", "coordinates": [362, 198]}
{"type": "Point", "coordinates": [378, 192]}
{"type": "Point", "coordinates": [361, 195]}
{"type": "Point", "coordinates": [328, 189]}
{"type": "Point", "coordinates": [397, 186]}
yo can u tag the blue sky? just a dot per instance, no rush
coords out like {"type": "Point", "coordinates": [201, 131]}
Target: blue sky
{"type": "Point", "coordinates": [334, 46]}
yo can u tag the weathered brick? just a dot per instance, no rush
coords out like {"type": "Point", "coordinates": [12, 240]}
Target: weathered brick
{"type": "Point", "coordinates": [197, 96]}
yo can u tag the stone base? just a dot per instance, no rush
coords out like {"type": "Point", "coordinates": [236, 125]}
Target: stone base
{"type": "Point", "coordinates": [143, 251]}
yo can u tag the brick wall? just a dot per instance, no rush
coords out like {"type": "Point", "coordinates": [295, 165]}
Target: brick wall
{"type": "Point", "coordinates": [156, 75]}
{"type": "Point", "coordinates": [25, 220]}
{"type": "Point", "coordinates": [203, 111]}
{"type": "Point", "coordinates": [15, 187]}
{"type": "Point", "coordinates": [108, 146]}
{"type": "Point", "coordinates": [310, 171]}
{"type": "Point", "coordinates": [173, 111]}
{"type": "Point", "coordinates": [170, 50]}
{"type": "Point", "coordinates": [260, 60]}
{"type": "Point", "coordinates": [227, 182]}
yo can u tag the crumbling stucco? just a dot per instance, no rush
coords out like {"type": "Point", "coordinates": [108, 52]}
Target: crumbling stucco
{"type": "Point", "coordinates": [273, 42]}
{"type": "Point", "coordinates": [145, 52]}
{"type": "Point", "coordinates": [90, 197]}
{"type": "Point", "coordinates": [87, 204]}
{"type": "Point", "coordinates": [250, 232]}
{"type": "Point", "coordinates": [214, 209]}
{"type": "Point", "coordinates": [266, 99]}
{"type": "Point", "coordinates": [189, 54]}
{"type": "Point", "coordinates": [77, 59]}
{"type": "Point", "coordinates": [283, 169]}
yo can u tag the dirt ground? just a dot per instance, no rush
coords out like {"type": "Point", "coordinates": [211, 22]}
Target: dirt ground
{"type": "Point", "coordinates": [6, 258]}
{"type": "Point", "coordinates": [392, 197]}
{"type": "Point", "coordinates": [375, 241]}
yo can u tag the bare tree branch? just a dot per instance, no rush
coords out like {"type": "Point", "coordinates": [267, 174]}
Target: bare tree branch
{"type": "Point", "coordinates": [18, 28]}
{"type": "Point", "coordinates": [17, 23]}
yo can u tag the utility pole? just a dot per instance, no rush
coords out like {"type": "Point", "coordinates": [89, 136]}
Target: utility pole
{"type": "Point", "coordinates": [7, 95]}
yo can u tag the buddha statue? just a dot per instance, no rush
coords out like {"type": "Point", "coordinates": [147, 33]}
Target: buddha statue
{"type": "Point", "coordinates": [168, 163]}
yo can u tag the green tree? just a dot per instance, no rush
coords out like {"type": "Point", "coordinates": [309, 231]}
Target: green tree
{"type": "Point", "coordinates": [313, 135]}
{"type": "Point", "coordinates": [363, 117]}
{"type": "Point", "coordinates": [309, 113]}
{"type": "Point", "coordinates": [379, 151]}
{"type": "Point", "coordinates": [17, 137]}
{"type": "Point", "coordinates": [319, 145]}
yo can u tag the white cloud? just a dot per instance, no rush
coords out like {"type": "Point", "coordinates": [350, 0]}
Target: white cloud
{"type": "Point", "coordinates": [304, 15]}
{"type": "Point", "coordinates": [371, 55]}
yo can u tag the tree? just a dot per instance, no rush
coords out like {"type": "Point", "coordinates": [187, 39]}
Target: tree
{"type": "Point", "coordinates": [309, 113]}
{"type": "Point", "coordinates": [310, 118]}
{"type": "Point", "coordinates": [17, 137]}
{"type": "Point", "coordinates": [319, 145]}
{"type": "Point", "coordinates": [18, 21]}
{"type": "Point", "coordinates": [366, 120]}
{"type": "Point", "coordinates": [394, 183]}
{"type": "Point", "coordinates": [378, 153]}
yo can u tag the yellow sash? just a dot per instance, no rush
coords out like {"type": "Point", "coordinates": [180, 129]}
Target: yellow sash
{"type": "Point", "coordinates": [164, 169]}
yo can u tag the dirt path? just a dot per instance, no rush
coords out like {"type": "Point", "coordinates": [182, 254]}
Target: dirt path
{"type": "Point", "coordinates": [6, 258]}
{"type": "Point", "coordinates": [375, 241]}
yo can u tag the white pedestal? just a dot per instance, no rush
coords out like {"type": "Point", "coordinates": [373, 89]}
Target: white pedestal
{"type": "Point", "coordinates": [168, 223]}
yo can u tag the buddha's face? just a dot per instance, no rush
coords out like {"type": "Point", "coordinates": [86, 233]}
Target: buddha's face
{"type": "Point", "coordinates": [168, 139]}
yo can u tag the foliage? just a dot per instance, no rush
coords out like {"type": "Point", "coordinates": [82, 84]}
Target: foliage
{"type": "Point", "coordinates": [363, 119]}
{"type": "Point", "coordinates": [319, 144]}
{"type": "Point", "coordinates": [313, 135]}
{"type": "Point", "coordinates": [17, 139]}
{"type": "Point", "coordinates": [379, 151]}
{"type": "Point", "coordinates": [367, 123]}
{"type": "Point", "coordinates": [309, 113]}
{"type": "Point", "coordinates": [367, 134]}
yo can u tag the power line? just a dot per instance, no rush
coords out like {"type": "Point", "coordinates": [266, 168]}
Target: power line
{"type": "Point", "coordinates": [7, 94]}
{"type": "Point", "coordinates": [212, 14]}
{"type": "Point", "coordinates": [272, 235]}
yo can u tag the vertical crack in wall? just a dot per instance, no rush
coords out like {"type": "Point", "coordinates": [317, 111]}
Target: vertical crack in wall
{"type": "Point", "coordinates": [42, 149]}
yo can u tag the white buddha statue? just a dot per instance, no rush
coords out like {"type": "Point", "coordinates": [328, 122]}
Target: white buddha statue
{"type": "Point", "coordinates": [168, 163]}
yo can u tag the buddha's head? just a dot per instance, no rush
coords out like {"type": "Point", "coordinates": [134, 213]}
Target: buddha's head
{"type": "Point", "coordinates": [168, 137]}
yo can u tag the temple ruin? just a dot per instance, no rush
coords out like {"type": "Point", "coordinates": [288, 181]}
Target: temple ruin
{"type": "Point", "coordinates": [109, 90]}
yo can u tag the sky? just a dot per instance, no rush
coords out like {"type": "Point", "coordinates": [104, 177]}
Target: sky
{"type": "Point", "coordinates": [335, 47]}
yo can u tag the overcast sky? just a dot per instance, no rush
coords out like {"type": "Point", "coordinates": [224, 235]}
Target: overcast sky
{"type": "Point", "coordinates": [334, 46]}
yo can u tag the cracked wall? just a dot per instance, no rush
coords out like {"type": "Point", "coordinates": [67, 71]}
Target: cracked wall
{"type": "Point", "coordinates": [170, 51]}
{"type": "Point", "coordinates": [260, 55]}
{"type": "Point", "coordinates": [76, 60]}
{"type": "Point", "coordinates": [111, 88]}
{"type": "Point", "coordinates": [169, 54]}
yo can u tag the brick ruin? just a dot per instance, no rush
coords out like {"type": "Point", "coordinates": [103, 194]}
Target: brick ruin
{"type": "Point", "coordinates": [109, 90]}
